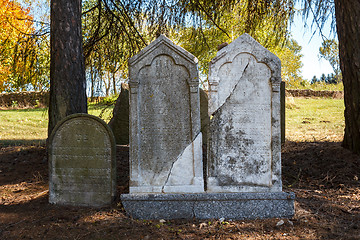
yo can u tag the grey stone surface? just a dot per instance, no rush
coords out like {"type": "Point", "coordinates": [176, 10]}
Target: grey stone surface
{"type": "Point", "coordinates": [244, 149]}
{"type": "Point", "coordinates": [119, 123]}
{"type": "Point", "coordinates": [235, 206]}
{"type": "Point", "coordinates": [165, 137]}
{"type": "Point", "coordinates": [82, 170]}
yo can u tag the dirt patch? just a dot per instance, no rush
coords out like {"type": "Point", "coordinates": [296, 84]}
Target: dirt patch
{"type": "Point", "coordinates": [324, 177]}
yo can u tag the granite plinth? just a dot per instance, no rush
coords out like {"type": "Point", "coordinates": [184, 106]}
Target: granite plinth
{"type": "Point", "coordinates": [234, 206]}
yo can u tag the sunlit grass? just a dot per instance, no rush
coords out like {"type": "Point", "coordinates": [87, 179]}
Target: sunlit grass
{"type": "Point", "coordinates": [29, 126]}
{"type": "Point", "coordinates": [23, 124]}
{"type": "Point", "coordinates": [307, 119]}
{"type": "Point", "coordinates": [318, 86]}
{"type": "Point", "coordinates": [313, 119]}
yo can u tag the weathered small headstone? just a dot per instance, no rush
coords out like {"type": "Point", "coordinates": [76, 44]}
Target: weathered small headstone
{"type": "Point", "coordinates": [119, 123]}
{"type": "Point", "coordinates": [165, 137]}
{"type": "Point", "coordinates": [82, 162]}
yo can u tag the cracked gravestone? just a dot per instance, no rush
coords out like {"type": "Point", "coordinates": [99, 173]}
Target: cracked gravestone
{"type": "Point", "coordinates": [82, 162]}
{"type": "Point", "coordinates": [244, 101]}
{"type": "Point", "coordinates": [165, 137]}
{"type": "Point", "coordinates": [244, 179]}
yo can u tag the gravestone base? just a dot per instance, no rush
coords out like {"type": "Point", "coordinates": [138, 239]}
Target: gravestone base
{"type": "Point", "coordinates": [234, 206]}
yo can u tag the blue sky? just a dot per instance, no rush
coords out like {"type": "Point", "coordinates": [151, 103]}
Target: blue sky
{"type": "Point", "coordinates": [310, 43]}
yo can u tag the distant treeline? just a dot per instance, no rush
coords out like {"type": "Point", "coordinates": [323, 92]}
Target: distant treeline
{"type": "Point", "coordinates": [329, 79]}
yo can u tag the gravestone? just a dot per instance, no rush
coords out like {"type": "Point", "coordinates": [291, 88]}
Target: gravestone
{"type": "Point", "coordinates": [244, 144]}
{"type": "Point", "coordinates": [244, 169]}
{"type": "Point", "coordinates": [82, 162]}
{"type": "Point", "coordinates": [119, 123]}
{"type": "Point", "coordinates": [165, 138]}
{"type": "Point", "coordinates": [244, 99]}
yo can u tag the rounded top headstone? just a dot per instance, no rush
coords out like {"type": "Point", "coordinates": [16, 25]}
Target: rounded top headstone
{"type": "Point", "coordinates": [82, 164]}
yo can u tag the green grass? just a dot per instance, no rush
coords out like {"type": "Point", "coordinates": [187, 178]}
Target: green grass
{"type": "Point", "coordinates": [102, 111]}
{"type": "Point", "coordinates": [29, 126]}
{"type": "Point", "coordinates": [24, 124]}
{"type": "Point", "coordinates": [313, 119]}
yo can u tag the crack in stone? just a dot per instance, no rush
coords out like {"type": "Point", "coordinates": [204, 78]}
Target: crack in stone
{"type": "Point", "coordinates": [172, 165]}
{"type": "Point", "coordinates": [233, 90]}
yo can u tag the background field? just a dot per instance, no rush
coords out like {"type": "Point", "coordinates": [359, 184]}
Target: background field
{"type": "Point", "coordinates": [314, 119]}
{"type": "Point", "coordinates": [307, 119]}
{"type": "Point", "coordinates": [29, 126]}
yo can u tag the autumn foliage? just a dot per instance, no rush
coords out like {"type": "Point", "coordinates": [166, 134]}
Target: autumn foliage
{"type": "Point", "coordinates": [16, 46]}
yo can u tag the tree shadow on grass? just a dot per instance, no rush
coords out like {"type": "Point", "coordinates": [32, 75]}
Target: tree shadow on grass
{"type": "Point", "coordinates": [22, 142]}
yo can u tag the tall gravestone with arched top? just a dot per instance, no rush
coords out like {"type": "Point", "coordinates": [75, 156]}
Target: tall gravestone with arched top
{"type": "Point", "coordinates": [165, 138]}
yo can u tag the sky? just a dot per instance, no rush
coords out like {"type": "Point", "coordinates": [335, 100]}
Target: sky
{"type": "Point", "coordinates": [310, 43]}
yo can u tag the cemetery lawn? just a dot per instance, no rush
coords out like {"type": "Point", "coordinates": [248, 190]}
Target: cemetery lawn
{"type": "Point", "coordinates": [314, 119]}
{"type": "Point", "coordinates": [29, 126]}
{"type": "Point", "coordinates": [323, 175]}
{"type": "Point", "coordinates": [307, 119]}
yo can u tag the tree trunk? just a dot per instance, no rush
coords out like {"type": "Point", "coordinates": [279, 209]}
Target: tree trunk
{"type": "Point", "coordinates": [348, 30]}
{"type": "Point", "coordinates": [114, 82]}
{"type": "Point", "coordinates": [92, 75]}
{"type": "Point", "coordinates": [67, 70]}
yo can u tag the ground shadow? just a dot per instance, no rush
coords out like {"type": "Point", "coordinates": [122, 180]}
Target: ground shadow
{"type": "Point", "coordinates": [322, 175]}
{"type": "Point", "coordinates": [22, 142]}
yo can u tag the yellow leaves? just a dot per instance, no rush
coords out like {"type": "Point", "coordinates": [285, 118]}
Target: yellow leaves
{"type": "Point", "coordinates": [15, 27]}
{"type": "Point", "coordinates": [14, 20]}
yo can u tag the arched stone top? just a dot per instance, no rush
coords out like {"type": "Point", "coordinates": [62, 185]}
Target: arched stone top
{"type": "Point", "coordinates": [95, 119]}
{"type": "Point", "coordinates": [246, 44]}
{"type": "Point", "coordinates": [162, 46]}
